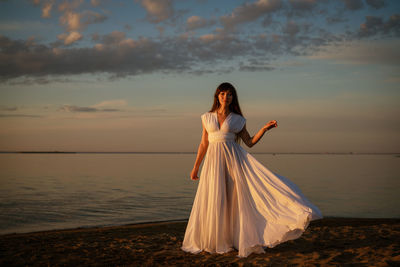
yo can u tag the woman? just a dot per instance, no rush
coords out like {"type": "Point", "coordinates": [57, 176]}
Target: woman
{"type": "Point", "coordinates": [240, 203]}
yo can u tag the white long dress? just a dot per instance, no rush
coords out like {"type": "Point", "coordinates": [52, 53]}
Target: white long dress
{"type": "Point", "coordinates": [240, 203]}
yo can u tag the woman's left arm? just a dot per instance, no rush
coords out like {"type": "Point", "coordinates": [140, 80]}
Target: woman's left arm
{"type": "Point", "coordinates": [251, 141]}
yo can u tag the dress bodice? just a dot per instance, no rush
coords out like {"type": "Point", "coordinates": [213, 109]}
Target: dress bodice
{"type": "Point", "coordinates": [225, 132]}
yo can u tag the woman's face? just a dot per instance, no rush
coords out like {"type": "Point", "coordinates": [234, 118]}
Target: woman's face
{"type": "Point", "coordinates": [225, 98]}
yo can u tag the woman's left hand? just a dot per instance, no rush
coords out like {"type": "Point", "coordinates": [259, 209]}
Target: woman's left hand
{"type": "Point", "coordinates": [270, 125]}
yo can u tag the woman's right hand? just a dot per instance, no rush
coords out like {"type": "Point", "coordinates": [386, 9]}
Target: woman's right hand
{"type": "Point", "coordinates": [193, 174]}
{"type": "Point", "coordinates": [270, 125]}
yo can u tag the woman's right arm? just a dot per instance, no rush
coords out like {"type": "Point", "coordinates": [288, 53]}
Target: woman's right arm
{"type": "Point", "coordinates": [200, 154]}
{"type": "Point", "coordinates": [251, 141]}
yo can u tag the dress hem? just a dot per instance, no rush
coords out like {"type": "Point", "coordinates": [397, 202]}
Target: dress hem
{"type": "Point", "coordinates": [296, 233]}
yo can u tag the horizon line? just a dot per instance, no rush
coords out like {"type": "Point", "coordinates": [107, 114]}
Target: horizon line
{"type": "Point", "coordinates": [179, 152]}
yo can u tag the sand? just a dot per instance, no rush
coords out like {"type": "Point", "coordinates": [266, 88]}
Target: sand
{"type": "Point", "coordinates": [326, 242]}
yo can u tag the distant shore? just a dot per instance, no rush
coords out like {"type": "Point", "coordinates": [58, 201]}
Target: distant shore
{"type": "Point", "coordinates": [330, 241]}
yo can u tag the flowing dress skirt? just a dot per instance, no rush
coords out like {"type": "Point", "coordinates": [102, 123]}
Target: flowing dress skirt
{"type": "Point", "coordinates": [241, 204]}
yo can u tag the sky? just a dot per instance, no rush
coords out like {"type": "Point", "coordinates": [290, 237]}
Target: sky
{"type": "Point", "coordinates": [136, 75]}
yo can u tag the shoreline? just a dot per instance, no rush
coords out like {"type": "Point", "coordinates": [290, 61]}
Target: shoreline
{"type": "Point", "coordinates": [325, 219]}
{"type": "Point", "coordinates": [331, 241]}
{"type": "Point", "coordinates": [95, 227]}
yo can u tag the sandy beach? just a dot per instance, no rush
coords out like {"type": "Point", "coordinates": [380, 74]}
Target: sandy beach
{"type": "Point", "coordinates": [330, 241]}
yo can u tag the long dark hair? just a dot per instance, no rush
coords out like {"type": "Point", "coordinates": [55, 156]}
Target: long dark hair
{"type": "Point", "coordinates": [234, 106]}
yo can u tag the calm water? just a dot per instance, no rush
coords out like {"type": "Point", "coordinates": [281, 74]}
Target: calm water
{"type": "Point", "coordinates": [55, 191]}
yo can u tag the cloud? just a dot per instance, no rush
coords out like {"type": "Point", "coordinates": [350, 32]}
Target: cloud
{"type": "Point", "coordinates": [43, 79]}
{"type": "Point", "coordinates": [115, 37]}
{"type": "Point", "coordinates": [196, 22]}
{"type": "Point", "coordinates": [335, 19]}
{"type": "Point", "coordinates": [303, 4]}
{"type": "Point", "coordinates": [91, 17]}
{"type": "Point", "coordinates": [14, 109]}
{"type": "Point", "coordinates": [13, 26]}
{"type": "Point", "coordinates": [19, 116]}
{"type": "Point", "coordinates": [127, 27]}
{"type": "Point", "coordinates": [35, 2]}
{"type": "Point", "coordinates": [95, 3]}
{"type": "Point", "coordinates": [111, 103]}
{"type": "Point", "coordinates": [362, 52]}
{"type": "Point", "coordinates": [255, 65]}
{"type": "Point", "coordinates": [377, 26]}
{"type": "Point", "coordinates": [158, 10]}
{"type": "Point", "coordinates": [291, 28]}
{"type": "Point", "coordinates": [70, 38]}
{"type": "Point", "coordinates": [7, 108]}
{"type": "Point", "coordinates": [219, 50]}
{"type": "Point", "coordinates": [71, 20]}
{"type": "Point", "coordinates": [72, 108]}
{"type": "Point", "coordinates": [120, 56]}
{"type": "Point", "coordinates": [107, 106]}
{"type": "Point", "coordinates": [69, 5]}
{"type": "Point", "coordinates": [250, 12]}
{"type": "Point", "coordinates": [117, 55]}
{"type": "Point", "coordinates": [74, 21]}
{"type": "Point", "coordinates": [353, 4]}
{"type": "Point", "coordinates": [46, 9]}
{"type": "Point", "coordinates": [377, 4]}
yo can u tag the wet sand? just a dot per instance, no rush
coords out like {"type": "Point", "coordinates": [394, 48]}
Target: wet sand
{"type": "Point", "coordinates": [330, 241]}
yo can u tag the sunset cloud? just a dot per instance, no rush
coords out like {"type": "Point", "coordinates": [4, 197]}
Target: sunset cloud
{"type": "Point", "coordinates": [114, 37]}
{"type": "Point", "coordinates": [91, 17]}
{"type": "Point", "coordinates": [35, 2]}
{"type": "Point", "coordinates": [19, 116]}
{"type": "Point", "coordinates": [250, 12]}
{"type": "Point", "coordinates": [71, 20]}
{"type": "Point", "coordinates": [8, 108]}
{"type": "Point", "coordinates": [158, 10]}
{"type": "Point", "coordinates": [255, 65]}
{"type": "Point", "coordinates": [303, 4]}
{"type": "Point", "coordinates": [377, 26]}
{"type": "Point", "coordinates": [382, 53]}
{"type": "Point", "coordinates": [70, 38]}
{"type": "Point", "coordinates": [353, 4]}
{"type": "Point", "coordinates": [46, 9]}
{"type": "Point", "coordinates": [376, 3]}
{"type": "Point", "coordinates": [95, 3]}
{"type": "Point", "coordinates": [197, 44]}
{"type": "Point", "coordinates": [72, 108]}
{"type": "Point", "coordinates": [70, 5]}
{"type": "Point", "coordinates": [111, 103]}
{"type": "Point", "coordinates": [197, 22]}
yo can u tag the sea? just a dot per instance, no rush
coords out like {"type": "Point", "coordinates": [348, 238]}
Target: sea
{"type": "Point", "coordinates": [48, 191]}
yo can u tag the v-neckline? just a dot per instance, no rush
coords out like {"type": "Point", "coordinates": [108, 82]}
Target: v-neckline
{"type": "Point", "coordinates": [222, 124]}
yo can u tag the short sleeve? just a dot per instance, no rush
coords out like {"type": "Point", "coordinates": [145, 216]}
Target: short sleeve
{"type": "Point", "coordinates": [241, 123]}
{"type": "Point", "coordinates": [204, 119]}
